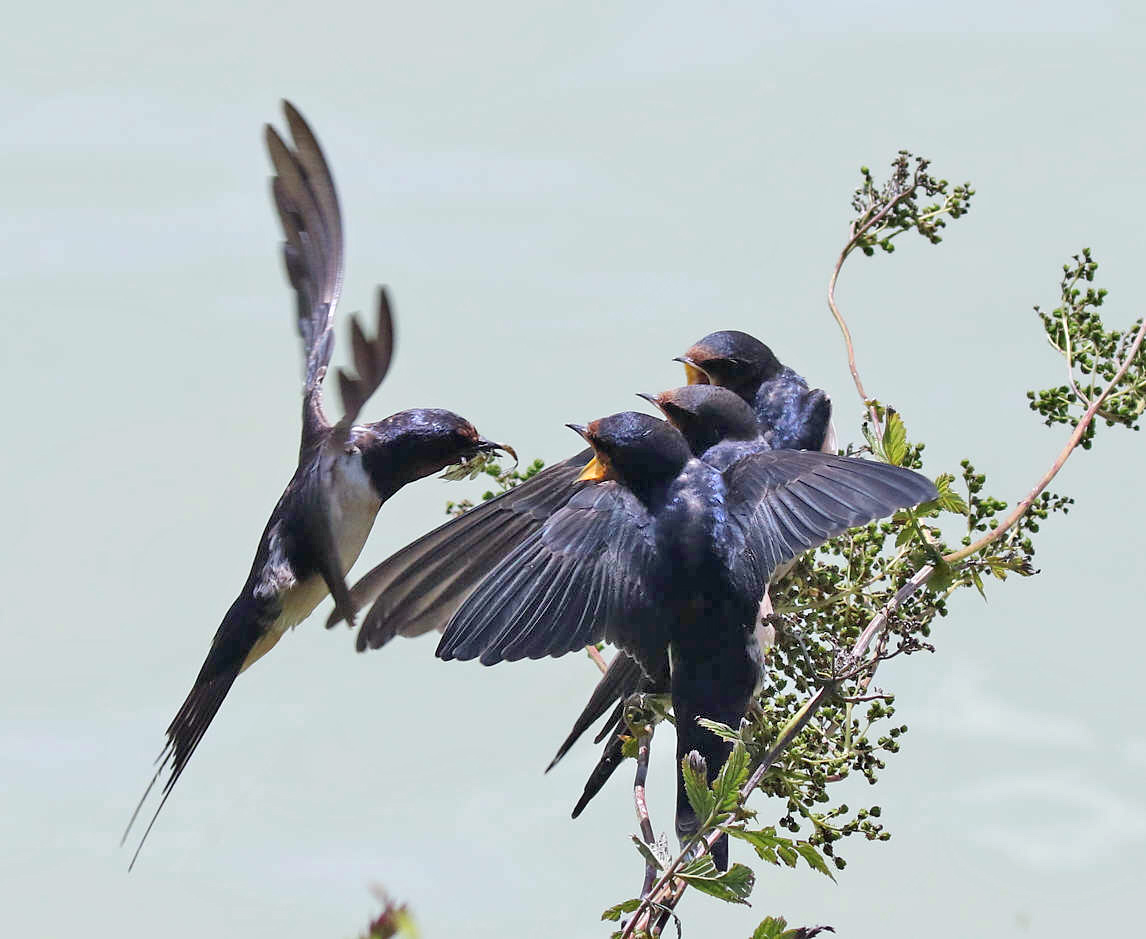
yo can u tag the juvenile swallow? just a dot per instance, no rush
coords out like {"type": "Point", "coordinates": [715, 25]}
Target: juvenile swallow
{"type": "Point", "coordinates": [420, 586]}
{"type": "Point", "coordinates": [791, 415]}
{"type": "Point", "coordinates": [666, 556]}
{"type": "Point", "coordinates": [345, 470]}
{"type": "Point", "coordinates": [720, 428]}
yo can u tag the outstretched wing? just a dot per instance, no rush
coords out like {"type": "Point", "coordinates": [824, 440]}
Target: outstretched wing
{"type": "Point", "coordinates": [307, 203]}
{"type": "Point", "coordinates": [578, 579]}
{"type": "Point", "coordinates": [786, 502]}
{"type": "Point", "coordinates": [419, 587]}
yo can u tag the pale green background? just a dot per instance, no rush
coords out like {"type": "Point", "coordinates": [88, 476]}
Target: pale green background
{"type": "Point", "coordinates": [561, 200]}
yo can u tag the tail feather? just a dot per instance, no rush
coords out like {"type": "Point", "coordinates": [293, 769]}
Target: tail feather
{"type": "Point", "coordinates": [183, 736]}
{"type": "Point", "coordinates": [622, 678]}
{"type": "Point", "coordinates": [611, 757]}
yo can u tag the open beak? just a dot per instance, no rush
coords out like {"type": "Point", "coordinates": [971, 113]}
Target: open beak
{"type": "Point", "coordinates": [488, 446]}
{"type": "Point", "coordinates": [595, 470]}
{"type": "Point", "coordinates": [654, 400]}
{"type": "Point", "coordinates": [693, 372]}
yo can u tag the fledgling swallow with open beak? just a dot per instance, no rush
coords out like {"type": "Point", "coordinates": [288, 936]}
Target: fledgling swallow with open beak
{"type": "Point", "coordinates": [345, 470]}
{"type": "Point", "coordinates": [791, 415]}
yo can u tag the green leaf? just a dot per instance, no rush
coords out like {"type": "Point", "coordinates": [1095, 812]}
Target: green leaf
{"type": "Point", "coordinates": [723, 731]}
{"type": "Point", "coordinates": [894, 438]}
{"type": "Point", "coordinates": [776, 927]}
{"type": "Point", "coordinates": [942, 578]}
{"type": "Point", "coordinates": [764, 842]}
{"type": "Point", "coordinates": [647, 853]}
{"type": "Point", "coordinates": [733, 885]}
{"type": "Point", "coordinates": [771, 928]}
{"type": "Point", "coordinates": [978, 582]}
{"type": "Point", "coordinates": [700, 797]}
{"type": "Point", "coordinates": [614, 913]}
{"type": "Point", "coordinates": [815, 860]}
{"type": "Point", "coordinates": [949, 500]}
{"type": "Point", "coordinates": [787, 854]}
{"type": "Point", "coordinates": [468, 469]}
{"type": "Point", "coordinates": [732, 776]}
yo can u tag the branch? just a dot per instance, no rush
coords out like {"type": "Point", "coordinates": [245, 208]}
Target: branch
{"type": "Point", "coordinates": [667, 891]}
{"type": "Point", "coordinates": [1075, 439]}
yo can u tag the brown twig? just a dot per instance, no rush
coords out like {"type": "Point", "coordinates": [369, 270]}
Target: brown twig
{"type": "Point", "coordinates": [595, 655]}
{"type": "Point", "coordinates": [858, 229]}
{"type": "Point", "coordinates": [644, 742]}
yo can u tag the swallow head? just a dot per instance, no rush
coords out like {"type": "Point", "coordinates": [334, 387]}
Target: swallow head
{"type": "Point", "coordinates": [731, 359]}
{"type": "Point", "coordinates": [635, 449]}
{"type": "Point", "coordinates": [706, 414]}
{"type": "Point", "coordinates": [419, 442]}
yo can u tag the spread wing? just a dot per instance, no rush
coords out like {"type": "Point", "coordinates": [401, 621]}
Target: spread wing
{"type": "Point", "coordinates": [307, 203]}
{"type": "Point", "coordinates": [786, 502]}
{"type": "Point", "coordinates": [580, 578]}
{"type": "Point", "coordinates": [419, 587]}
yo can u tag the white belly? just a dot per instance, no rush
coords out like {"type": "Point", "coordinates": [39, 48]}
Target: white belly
{"type": "Point", "coordinates": [354, 506]}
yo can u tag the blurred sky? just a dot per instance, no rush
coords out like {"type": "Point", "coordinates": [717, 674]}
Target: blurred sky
{"type": "Point", "coordinates": [562, 198]}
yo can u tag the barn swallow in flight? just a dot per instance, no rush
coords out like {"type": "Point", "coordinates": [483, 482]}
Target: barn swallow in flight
{"type": "Point", "coordinates": [668, 557]}
{"type": "Point", "coordinates": [345, 470]}
{"type": "Point", "coordinates": [419, 587]}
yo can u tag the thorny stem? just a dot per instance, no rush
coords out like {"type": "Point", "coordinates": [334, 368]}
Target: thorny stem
{"type": "Point", "coordinates": [667, 892]}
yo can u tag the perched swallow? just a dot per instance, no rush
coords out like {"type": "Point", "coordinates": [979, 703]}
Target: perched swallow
{"type": "Point", "coordinates": [668, 557]}
{"type": "Point", "coordinates": [345, 471]}
{"type": "Point", "coordinates": [791, 415]}
{"type": "Point", "coordinates": [720, 428]}
{"type": "Point", "coordinates": [419, 587]}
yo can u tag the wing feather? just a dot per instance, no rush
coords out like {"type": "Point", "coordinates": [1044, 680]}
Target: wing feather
{"type": "Point", "coordinates": [575, 580]}
{"type": "Point", "coordinates": [786, 502]}
{"type": "Point", "coordinates": [307, 202]}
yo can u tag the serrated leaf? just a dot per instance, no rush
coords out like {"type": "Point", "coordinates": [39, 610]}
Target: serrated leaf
{"type": "Point", "coordinates": [614, 913]}
{"type": "Point", "coordinates": [771, 928]}
{"type": "Point", "coordinates": [732, 776]}
{"type": "Point", "coordinates": [467, 469]}
{"type": "Point", "coordinates": [949, 500]}
{"type": "Point", "coordinates": [815, 860]}
{"type": "Point", "coordinates": [764, 842]}
{"type": "Point", "coordinates": [723, 731]}
{"type": "Point", "coordinates": [700, 797]}
{"type": "Point", "coordinates": [787, 854]}
{"type": "Point", "coordinates": [732, 886]}
{"type": "Point", "coordinates": [894, 439]}
{"type": "Point", "coordinates": [646, 852]}
{"type": "Point", "coordinates": [978, 582]}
